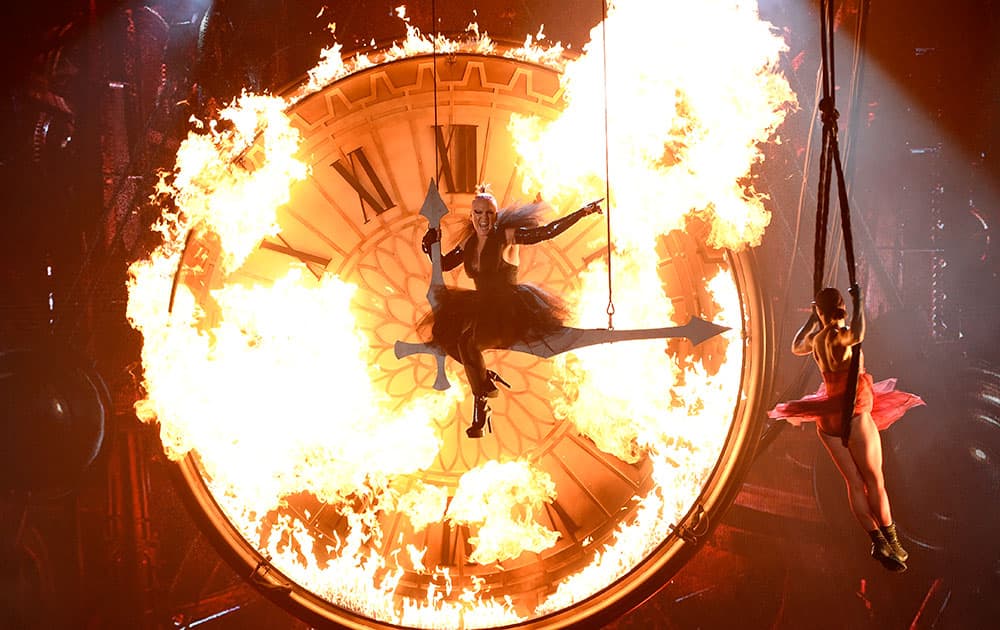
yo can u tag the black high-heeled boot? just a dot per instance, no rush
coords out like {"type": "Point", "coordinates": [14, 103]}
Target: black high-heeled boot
{"type": "Point", "coordinates": [493, 379]}
{"type": "Point", "coordinates": [496, 378]}
{"type": "Point", "coordinates": [889, 531]}
{"type": "Point", "coordinates": [481, 417]}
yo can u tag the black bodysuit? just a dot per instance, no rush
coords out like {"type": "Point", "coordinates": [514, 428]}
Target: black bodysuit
{"type": "Point", "coordinates": [499, 312]}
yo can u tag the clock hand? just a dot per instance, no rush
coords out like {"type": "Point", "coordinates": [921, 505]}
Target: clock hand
{"type": "Point", "coordinates": [696, 330]}
{"type": "Point", "coordinates": [433, 209]}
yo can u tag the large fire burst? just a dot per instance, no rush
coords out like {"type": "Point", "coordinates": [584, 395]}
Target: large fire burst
{"type": "Point", "coordinates": [241, 376]}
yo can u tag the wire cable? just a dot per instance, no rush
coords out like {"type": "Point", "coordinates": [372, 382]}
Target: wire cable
{"type": "Point", "coordinates": [607, 163]}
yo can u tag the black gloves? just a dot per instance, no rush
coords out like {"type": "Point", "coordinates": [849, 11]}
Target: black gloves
{"type": "Point", "coordinates": [594, 207]}
{"type": "Point", "coordinates": [430, 237]}
{"type": "Point", "coordinates": [530, 236]}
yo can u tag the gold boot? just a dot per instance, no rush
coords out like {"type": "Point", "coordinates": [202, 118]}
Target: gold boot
{"type": "Point", "coordinates": [889, 531]}
{"type": "Point", "coordinates": [882, 551]}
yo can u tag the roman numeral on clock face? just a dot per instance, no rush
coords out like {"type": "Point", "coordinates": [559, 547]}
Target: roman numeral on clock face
{"type": "Point", "coordinates": [457, 151]}
{"type": "Point", "coordinates": [354, 170]}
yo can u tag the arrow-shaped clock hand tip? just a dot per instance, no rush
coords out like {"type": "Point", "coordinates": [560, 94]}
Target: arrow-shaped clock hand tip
{"type": "Point", "coordinates": [698, 330]}
{"type": "Point", "coordinates": [433, 207]}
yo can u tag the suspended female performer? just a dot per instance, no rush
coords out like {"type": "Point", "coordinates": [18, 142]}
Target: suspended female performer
{"type": "Point", "coordinates": [826, 336]}
{"type": "Point", "coordinates": [500, 312]}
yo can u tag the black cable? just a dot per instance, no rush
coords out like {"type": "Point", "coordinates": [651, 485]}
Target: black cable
{"type": "Point", "coordinates": [607, 162]}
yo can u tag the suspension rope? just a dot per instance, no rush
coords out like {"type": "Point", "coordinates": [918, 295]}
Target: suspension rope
{"type": "Point", "coordinates": [607, 163]}
{"type": "Point", "coordinates": [830, 160]}
{"type": "Point", "coordinates": [823, 88]}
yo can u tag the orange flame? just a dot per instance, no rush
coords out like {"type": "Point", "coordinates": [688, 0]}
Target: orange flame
{"type": "Point", "coordinates": [684, 133]}
{"type": "Point", "coordinates": [684, 130]}
{"type": "Point", "coordinates": [501, 499]}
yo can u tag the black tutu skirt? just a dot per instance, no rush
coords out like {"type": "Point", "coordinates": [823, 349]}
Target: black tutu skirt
{"type": "Point", "coordinates": [498, 317]}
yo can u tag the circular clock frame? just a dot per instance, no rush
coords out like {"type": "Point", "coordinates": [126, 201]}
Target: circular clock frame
{"type": "Point", "coordinates": [373, 94]}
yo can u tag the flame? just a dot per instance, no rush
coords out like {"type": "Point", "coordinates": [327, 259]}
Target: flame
{"type": "Point", "coordinates": [501, 499]}
{"type": "Point", "coordinates": [333, 66]}
{"type": "Point", "coordinates": [225, 367]}
{"type": "Point", "coordinates": [678, 418]}
{"type": "Point", "coordinates": [683, 130]}
{"type": "Point", "coordinates": [237, 204]}
{"type": "Point", "coordinates": [533, 50]}
{"type": "Point", "coordinates": [424, 504]}
{"type": "Point", "coordinates": [683, 135]}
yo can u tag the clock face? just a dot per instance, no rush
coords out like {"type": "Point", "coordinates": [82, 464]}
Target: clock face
{"type": "Point", "coordinates": [372, 142]}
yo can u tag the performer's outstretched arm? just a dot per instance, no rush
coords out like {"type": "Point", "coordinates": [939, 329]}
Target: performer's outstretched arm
{"type": "Point", "coordinates": [532, 235]}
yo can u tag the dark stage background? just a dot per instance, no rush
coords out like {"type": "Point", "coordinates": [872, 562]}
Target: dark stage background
{"type": "Point", "coordinates": [96, 97]}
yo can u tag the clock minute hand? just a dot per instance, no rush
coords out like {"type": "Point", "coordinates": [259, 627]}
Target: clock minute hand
{"type": "Point", "coordinates": [696, 330]}
{"type": "Point", "coordinates": [433, 209]}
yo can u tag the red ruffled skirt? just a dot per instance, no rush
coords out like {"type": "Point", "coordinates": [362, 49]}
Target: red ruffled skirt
{"type": "Point", "coordinates": [882, 400]}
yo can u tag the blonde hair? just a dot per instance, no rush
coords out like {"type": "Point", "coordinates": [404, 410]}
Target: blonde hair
{"type": "Point", "coordinates": [483, 192]}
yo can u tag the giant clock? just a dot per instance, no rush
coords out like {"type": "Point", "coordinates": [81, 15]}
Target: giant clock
{"type": "Point", "coordinates": [373, 140]}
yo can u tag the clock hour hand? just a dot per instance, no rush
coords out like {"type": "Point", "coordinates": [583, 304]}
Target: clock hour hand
{"type": "Point", "coordinates": [433, 209]}
{"type": "Point", "coordinates": [404, 349]}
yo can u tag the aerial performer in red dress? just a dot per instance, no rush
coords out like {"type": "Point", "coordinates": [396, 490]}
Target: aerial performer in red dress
{"type": "Point", "coordinates": [499, 312]}
{"type": "Point", "coordinates": [831, 342]}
